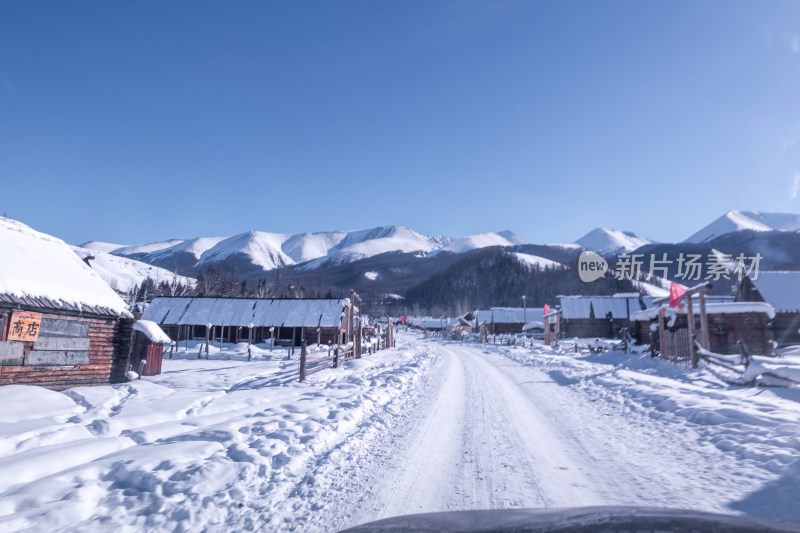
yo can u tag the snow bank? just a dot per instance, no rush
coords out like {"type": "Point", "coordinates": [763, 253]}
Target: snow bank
{"type": "Point", "coordinates": [214, 445]}
{"type": "Point", "coordinates": [152, 331]}
{"type": "Point", "coordinates": [36, 265]}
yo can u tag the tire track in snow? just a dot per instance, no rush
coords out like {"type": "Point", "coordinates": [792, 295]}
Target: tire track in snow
{"type": "Point", "coordinates": [483, 444]}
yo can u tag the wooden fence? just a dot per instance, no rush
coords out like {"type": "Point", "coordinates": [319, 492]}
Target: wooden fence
{"type": "Point", "coordinates": [335, 354]}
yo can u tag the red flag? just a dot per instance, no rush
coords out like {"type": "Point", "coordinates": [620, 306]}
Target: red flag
{"type": "Point", "coordinates": [403, 320]}
{"type": "Point", "coordinates": [546, 309]}
{"type": "Point", "coordinates": [676, 293]}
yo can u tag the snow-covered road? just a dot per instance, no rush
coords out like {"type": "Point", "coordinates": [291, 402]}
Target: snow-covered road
{"type": "Point", "coordinates": [486, 442]}
{"type": "Point", "coordinates": [519, 427]}
{"type": "Point", "coordinates": [430, 426]}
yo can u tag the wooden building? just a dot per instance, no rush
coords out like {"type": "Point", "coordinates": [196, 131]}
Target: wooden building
{"type": "Point", "coordinates": [729, 325]}
{"type": "Point", "coordinates": [61, 325]}
{"type": "Point", "coordinates": [782, 291]}
{"type": "Point", "coordinates": [502, 320]}
{"type": "Point", "coordinates": [599, 316]}
{"type": "Point", "coordinates": [285, 321]}
{"type": "Point", "coordinates": [147, 348]}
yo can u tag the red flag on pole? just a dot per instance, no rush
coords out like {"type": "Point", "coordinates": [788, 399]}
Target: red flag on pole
{"type": "Point", "coordinates": [546, 309]}
{"type": "Point", "coordinates": [403, 320]}
{"type": "Point", "coordinates": [676, 293]}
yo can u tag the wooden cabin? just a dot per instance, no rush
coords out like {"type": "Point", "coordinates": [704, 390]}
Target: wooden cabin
{"type": "Point", "coordinates": [286, 322]}
{"type": "Point", "coordinates": [782, 291]}
{"type": "Point", "coordinates": [599, 316]}
{"type": "Point", "coordinates": [502, 320]}
{"type": "Point", "coordinates": [147, 348]}
{"type": "Point", "coordinates": [729, 324]}
{"type": "Point", "coordinates": [61, 325]}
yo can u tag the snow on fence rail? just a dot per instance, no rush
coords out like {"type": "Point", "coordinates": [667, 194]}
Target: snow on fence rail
{"type": "Point", "coordinates": [337, 353]}
{"type": "Point", "coordinates": [776, 370]}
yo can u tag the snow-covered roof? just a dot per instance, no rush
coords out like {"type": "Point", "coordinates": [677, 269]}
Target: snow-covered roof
{"type": "Point", "coordinates": [780, 289]}
{"type": "Point", "coordinates": [729, 308]}
{"type": "Point", "coordinates": [151, 331]}
{"type": "Point", "coordinates": [533, 325]}
{"type": "Point", "coordinates": [509, 315]}
{"type": "Point", "coordinates": [305, 312]}
{"type": "Point", "coordinates": [619, 306]}
{"type": "Point", "coordinates": [428, 322]}
{"type": "Point", "coordinates": [39, 270]}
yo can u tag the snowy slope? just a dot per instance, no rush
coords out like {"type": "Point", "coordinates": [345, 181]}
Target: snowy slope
{"type": "Point", "coordinates": [263, 249]}
{"type": "Point", "coordinates": [610, 240]}
{"type": "Point", "coordinates": [304, 247]}
{"type": "Point", "coordinates": [122, 273]}
{"type": "Point", "coordinates": [535, 261]}
{"type": "Point", "coordinates": [197, 247]}
{"type": "Point", "coordinates": [746, 220]}
{"type": "Point", "coordinates": [482, 240]}
{"type": "Point", "coordinates": [361, 244]}
{"type": "Point", "coordinates": [140, 249]}
{"type": "Point", "coordinates": [101, 246]}
{"type": "Point", "coordinates": [368, 243]}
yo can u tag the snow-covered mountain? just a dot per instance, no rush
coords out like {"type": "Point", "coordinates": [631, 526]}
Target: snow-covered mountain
{"type": "Point", "coordinates": [482, 240]}
{"type": "Point", "coordinates": [101, 246]}
{"type": "Point", "coordinates": [746, 220]}
{"type": "Point", "coordinates": [605, 241]}
{"type": "Point", "coordinates": [122, 273]}
{"type": "Point", "coordinates": [267, 251]}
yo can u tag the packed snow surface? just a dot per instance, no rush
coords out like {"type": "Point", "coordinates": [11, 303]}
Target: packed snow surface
{"type": "Point", "coordinates": [39, 265]}
{"type": "Point", "coordinates": [746, 220]}
{"type": "Point", "coordinates": [231, 444]}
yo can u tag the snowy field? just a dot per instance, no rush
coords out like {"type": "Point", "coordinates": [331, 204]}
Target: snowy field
{"type": "Point", "coordinates": [230, 444]}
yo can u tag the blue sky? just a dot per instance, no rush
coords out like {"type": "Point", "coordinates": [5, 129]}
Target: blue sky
{"type": "Point", "coordinates": [141, 121]}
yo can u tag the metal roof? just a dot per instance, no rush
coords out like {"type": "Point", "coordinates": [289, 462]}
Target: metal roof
{"type": "Point", "coordinates": [509, 315]}
{"type": "Point", "coordinates": [780, 289]}
{"type": "Point", "coordinates": [619, 307]}
{"type": "Point", "coordinates": [245, 311]}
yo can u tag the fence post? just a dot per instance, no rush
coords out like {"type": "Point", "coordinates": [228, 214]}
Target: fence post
{"type": "Point", "coordinates": [336, 356]}
{"type": "Point", "coordinates": [690, 317]}
{"type": "Point", "coordinates": [303, 362]}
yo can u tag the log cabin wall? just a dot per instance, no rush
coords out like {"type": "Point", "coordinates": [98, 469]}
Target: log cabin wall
{"type": "Point", "coordinates": [725, 330]}
{"type": "Point", "coordinates": [593, 327]}
{"type": "Point", "coordinates": [73, 350]}
{"type": "Point", "coordinates": [501, 328]}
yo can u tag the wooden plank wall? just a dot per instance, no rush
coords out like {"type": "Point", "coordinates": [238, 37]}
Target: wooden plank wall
{"type": "Point", "coordinates": [64, 361]}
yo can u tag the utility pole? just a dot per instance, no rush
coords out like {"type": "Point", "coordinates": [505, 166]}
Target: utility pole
{"type": "Point", "coordinates": [524, 310]}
